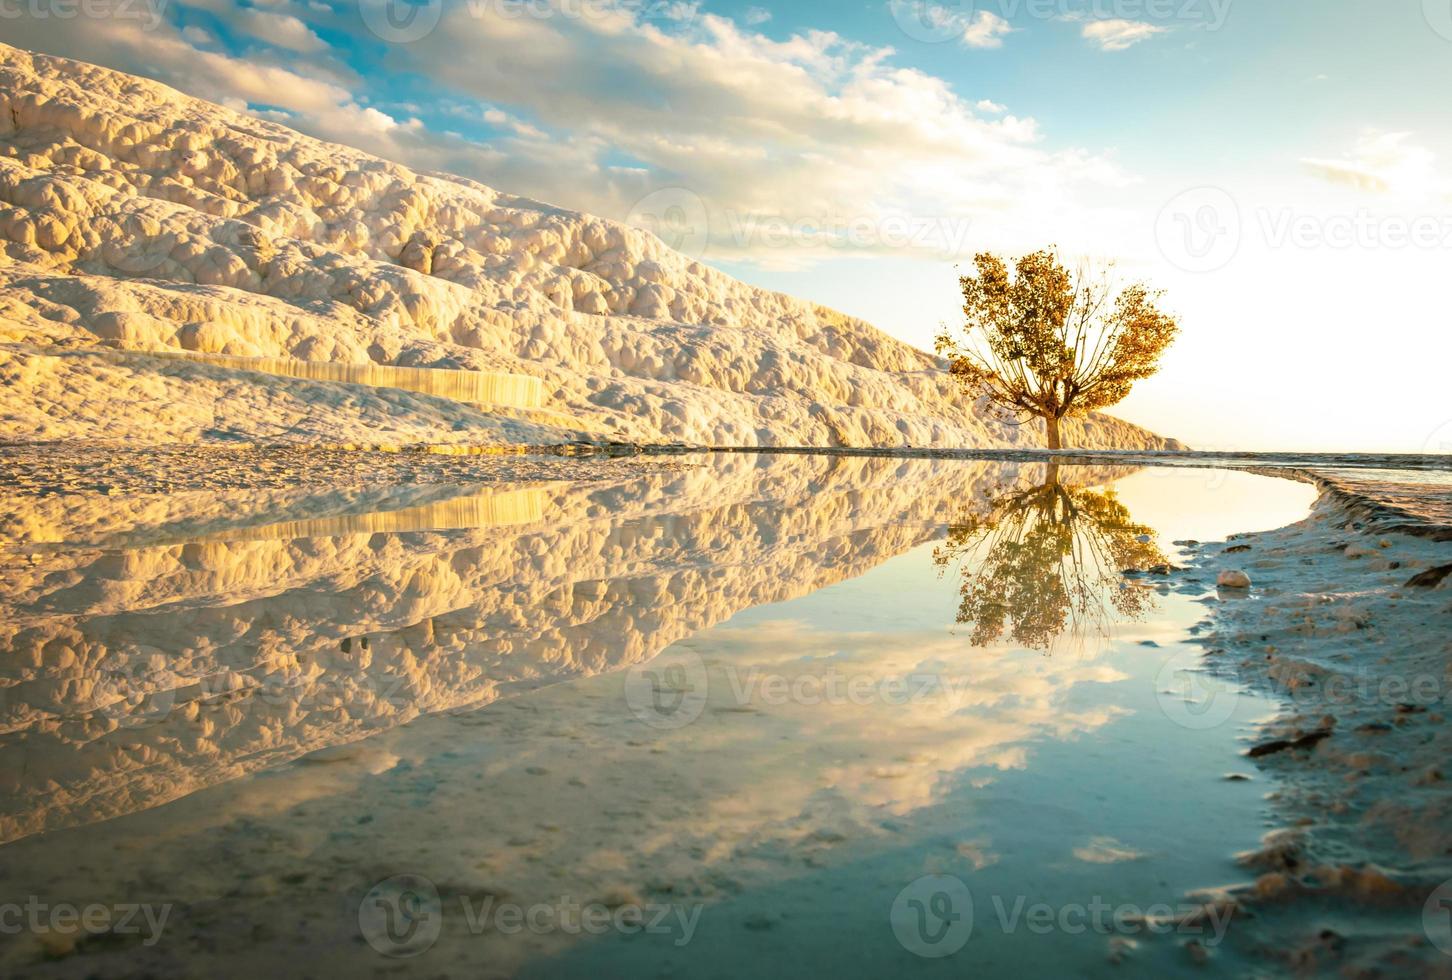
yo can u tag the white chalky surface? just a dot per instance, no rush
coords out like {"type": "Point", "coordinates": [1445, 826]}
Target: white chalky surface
{"type": "Point", "coordinates": [134, 216]}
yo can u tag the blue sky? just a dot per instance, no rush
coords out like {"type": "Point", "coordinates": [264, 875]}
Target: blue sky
{"type": "Point", "coordinates": [1260, 160]}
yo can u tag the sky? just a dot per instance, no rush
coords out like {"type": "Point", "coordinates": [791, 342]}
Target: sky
{"type": "Point", "coordinates": [1282, 169]}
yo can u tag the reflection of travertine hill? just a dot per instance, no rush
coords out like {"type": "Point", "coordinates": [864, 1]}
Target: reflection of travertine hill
{"type": "Point", "coordinates": [136, 221]}
{"type": "Point", "coordinates": [137, 675]}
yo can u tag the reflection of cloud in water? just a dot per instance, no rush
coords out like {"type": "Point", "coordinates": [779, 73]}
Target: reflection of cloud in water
{"type": "Point", "coordinates": [1106, 850]}
{"type": "Point", "coordinates": [959, 708]}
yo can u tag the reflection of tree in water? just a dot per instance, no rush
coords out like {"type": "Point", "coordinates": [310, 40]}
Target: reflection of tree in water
{"type": "Point", "coordinates": [1047, 561]}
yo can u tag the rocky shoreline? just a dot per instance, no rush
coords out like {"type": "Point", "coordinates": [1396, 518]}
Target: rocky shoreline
{"type": "Point", "coordinates": [1349, 620]}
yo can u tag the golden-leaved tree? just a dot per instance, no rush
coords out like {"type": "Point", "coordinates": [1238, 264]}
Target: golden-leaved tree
{"type": "Point", "coordinates": [1043, 343]}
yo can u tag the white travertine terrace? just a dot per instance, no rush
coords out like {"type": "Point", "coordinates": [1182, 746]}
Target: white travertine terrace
{"type": "Point", "coordinates": [473, 387]}
{"type": "Point", "coordinates": [135, 217]}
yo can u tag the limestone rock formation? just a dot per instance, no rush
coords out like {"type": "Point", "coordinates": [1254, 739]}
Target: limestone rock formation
{"type": "Point", "coordinates": [135, 219]}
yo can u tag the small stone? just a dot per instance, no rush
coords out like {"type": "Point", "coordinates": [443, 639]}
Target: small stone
{"type": "Point", "coordinates": [1233, 578]}
{"type": "Point", "coordinates": [57, 945]}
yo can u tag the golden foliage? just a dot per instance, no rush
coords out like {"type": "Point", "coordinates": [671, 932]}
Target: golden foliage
{"type": "Point", "coordinates": [1043, 343]}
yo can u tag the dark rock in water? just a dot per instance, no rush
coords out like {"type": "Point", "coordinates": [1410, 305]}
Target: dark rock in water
{"type": "Point", "coordinates": [1160, 569]}
{"type": "Point", "coordinates": [1431, 578]}
{"type": "Point", "coordinates": [1148, 643]}
{"type": "Point", "coordinates": [1306, 741]}
{"type": "Point", "coordinates": [1236, 549]}
{"type": "Point", "coordinates": [758, 922]}
{"type": "Point", "coordinates": [1236, 777]}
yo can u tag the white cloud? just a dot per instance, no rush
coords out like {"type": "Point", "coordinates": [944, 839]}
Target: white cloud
{"type": "Point", "coordinates": [811, 128]}
{"type": "Point", "coordinates": [927, 21]}
{"type": "Point", "coordinates": [1118, 34]}
{"type": "Point", "coordinates": [986, 30]}
{"type": "Point", "coordinates": [757, 15]}
{"type": "Point", "coordinates": [988, 105]}
{"type": "Point", "coordinates": [1383, 163]}
{"type": "Point", "coordinates": [274, 27]}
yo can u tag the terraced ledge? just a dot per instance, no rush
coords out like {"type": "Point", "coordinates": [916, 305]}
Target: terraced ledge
{"type": "Point", "coordinates": [1422, 509]}
{"type": "Point", "coordinates": [485, 388]}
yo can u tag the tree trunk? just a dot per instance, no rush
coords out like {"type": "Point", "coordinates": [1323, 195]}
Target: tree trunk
{"type": "Point", "coordinates": [1052, 425]}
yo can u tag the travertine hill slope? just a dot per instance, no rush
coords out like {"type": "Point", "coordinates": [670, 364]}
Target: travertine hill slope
{"type": "Point", "coordinates": [133, 217]}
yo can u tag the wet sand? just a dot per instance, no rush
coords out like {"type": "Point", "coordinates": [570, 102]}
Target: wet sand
{"type": "Point", "coordinates": [1348, 622]}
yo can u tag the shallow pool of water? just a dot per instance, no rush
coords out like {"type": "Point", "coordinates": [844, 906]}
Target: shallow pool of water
{"type": "Point", "coordinates": [761, 715]}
